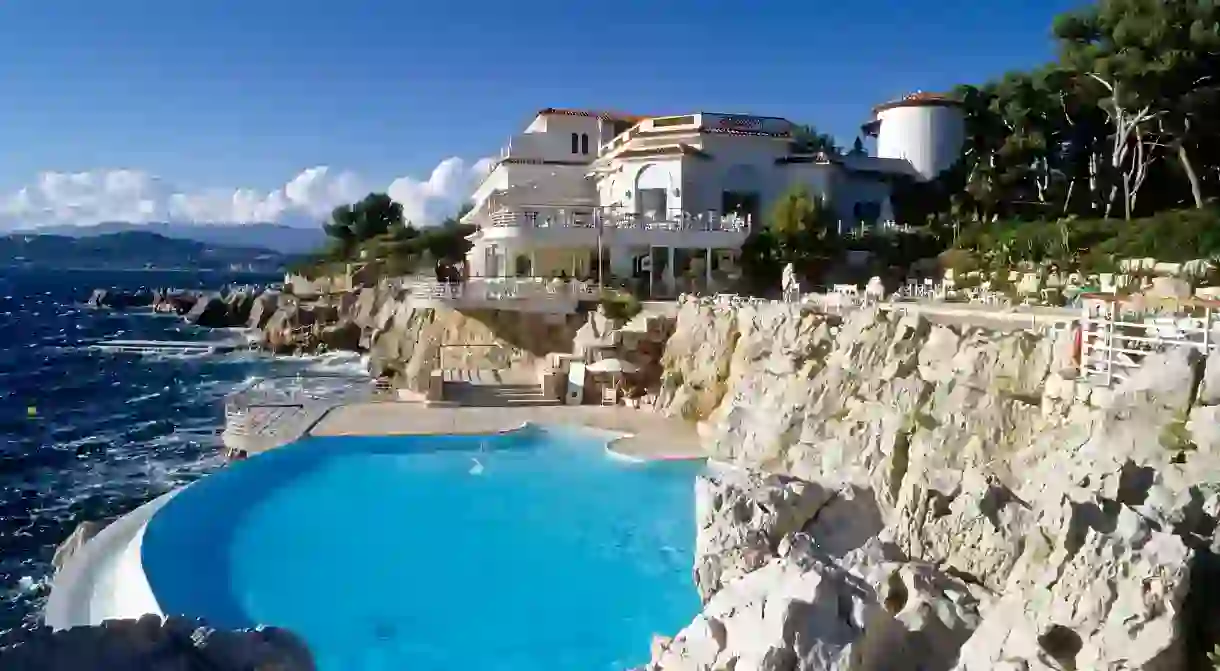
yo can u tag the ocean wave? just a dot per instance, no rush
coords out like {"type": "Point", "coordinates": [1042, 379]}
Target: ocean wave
{"type": "Point", "coordinates": [89, 435]}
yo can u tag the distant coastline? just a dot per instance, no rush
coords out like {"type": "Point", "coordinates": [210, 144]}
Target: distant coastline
{"type": "Point", "coordinates": [277, 270]}
{"type": "Point", "coordinates": [135, 252]}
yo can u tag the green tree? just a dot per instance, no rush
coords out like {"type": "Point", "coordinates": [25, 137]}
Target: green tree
{"type": "Point", "coordinates": [1155, 63]}
{"type": "Point", "coordinates": [802, 224]}
{"type": "Point", "coordinates": [807, 140]}
{"type": "Point", "coordinates": [359, 222]}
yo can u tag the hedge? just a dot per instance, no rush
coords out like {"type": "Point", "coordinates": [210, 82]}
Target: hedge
{"type": "Point", "coordinates": [1089, 244]}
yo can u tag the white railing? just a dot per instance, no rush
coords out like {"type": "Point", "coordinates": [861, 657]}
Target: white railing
{"type": "Point", "coordinates": [1116, 334]}
{"type": "Point", "coordinates": [616, 218]}
{"type": "Point", "coordinates": [499, 288]}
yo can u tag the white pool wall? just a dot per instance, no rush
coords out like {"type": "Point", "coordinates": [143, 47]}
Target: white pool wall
{"type": "Point", "coordinates": [105, 578]}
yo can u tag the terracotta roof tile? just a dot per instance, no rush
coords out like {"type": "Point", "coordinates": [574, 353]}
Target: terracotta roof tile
{"type": "Point", "coordinates": [918, 99]}
{"type": "Point", "coordinates": [606, 116]}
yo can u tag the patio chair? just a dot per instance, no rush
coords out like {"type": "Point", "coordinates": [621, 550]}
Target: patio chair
{"type": "Point", "coordinates": [610, 396]}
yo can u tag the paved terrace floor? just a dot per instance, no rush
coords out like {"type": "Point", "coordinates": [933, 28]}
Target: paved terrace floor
{"type": "Point", "coordinates": [652, 436]}
{"type": "Point", "coordinates": [995, 317]}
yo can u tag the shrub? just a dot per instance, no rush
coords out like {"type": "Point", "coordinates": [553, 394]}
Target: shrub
{"type": "Point", "coordinates": [619, 305]}
{"type": "Point", "coordinates": [1093, 244]}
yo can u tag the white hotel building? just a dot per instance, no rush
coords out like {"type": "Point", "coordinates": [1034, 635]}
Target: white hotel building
{"type": "Point", "coordinates": [669, 200]}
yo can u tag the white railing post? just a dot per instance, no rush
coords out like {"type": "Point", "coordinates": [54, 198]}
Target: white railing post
{"type": "Point", "coordinates": [1207, 329]}
{"type": "Point", "coordinates": [1082, 364]}
{"type": "Point", "coordinates": [1110, 319]}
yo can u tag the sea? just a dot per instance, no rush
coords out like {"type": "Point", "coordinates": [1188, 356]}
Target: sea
{"type": "Point", "coordinates": [91, 435]}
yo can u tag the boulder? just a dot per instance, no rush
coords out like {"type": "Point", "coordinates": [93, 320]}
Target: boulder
{"type": "Point", "coordinates": [155, 644]}
{"type": "Point", "coordinates": [98, 299]}
{"type": "Point", "coordinates": [263, 306]}
{"type": "Point", "coordinates": [74, 542]}
{"type": "Point", "coordinates": [344, 336]}
{"type": "Point", "coordinates": [209, 311]}
{"type": "Point", "coordinates": [238, 305]}
{"type": "Point", "coordinates": [803, 611]}
{"type": "Point", "coordinates": [119, 300]}
{"type": "Point", "coordinates": [179, 303]}
{"type": "Point", "coordinates": [741, 517]}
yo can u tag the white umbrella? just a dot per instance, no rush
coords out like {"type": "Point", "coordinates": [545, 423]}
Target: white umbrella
{"type": "Point", "coordinates": [612, 365]}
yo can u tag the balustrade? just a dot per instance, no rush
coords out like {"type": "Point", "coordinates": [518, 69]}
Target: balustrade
{"type": "Point", "coordinates": [613, 218]}
{"type": "Point", "coordinates": [502, 288]}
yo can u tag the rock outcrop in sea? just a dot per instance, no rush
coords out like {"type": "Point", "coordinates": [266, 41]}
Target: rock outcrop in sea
{"type": "Point", "coordinates": [897, 494]}
{"type": "Point", "coordinates": [223, 309]}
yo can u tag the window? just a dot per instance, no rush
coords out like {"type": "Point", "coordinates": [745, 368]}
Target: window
{"type": "Point", "coordinates": [584, 143]}
{"type": "Point", "coordinates": [575, 143]}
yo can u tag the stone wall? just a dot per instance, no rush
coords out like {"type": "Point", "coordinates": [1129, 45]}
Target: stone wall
{"type": "Point", "coordinates": [896, 494]}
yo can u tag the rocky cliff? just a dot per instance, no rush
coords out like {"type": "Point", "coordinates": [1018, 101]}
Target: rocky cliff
{"type": "Point", "coordinates": [407, 337]}
{"type": "Point", "coordinates": [897, 494]}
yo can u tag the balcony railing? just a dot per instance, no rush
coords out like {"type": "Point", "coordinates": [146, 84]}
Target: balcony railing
{"type": "Point", "coordinates": [613, 218]}
{"type": "Point", "coordinates": [499, 289]}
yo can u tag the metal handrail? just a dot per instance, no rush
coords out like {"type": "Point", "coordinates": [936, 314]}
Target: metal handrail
{"type": "Point", "coordinates": [1111, 343]}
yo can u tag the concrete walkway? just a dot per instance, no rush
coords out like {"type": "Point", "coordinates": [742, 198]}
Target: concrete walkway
{"type": "Point", "coordinates": [652, 436]}
{"type": "Point", "coordinates": [994, 317]}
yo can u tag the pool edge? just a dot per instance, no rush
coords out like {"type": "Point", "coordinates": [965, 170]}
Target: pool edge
{"type": "Point", "coordinates": [105, 579]}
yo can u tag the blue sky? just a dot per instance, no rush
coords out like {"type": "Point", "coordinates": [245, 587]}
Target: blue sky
{"type": "Point", "coordinates": [245, 94]}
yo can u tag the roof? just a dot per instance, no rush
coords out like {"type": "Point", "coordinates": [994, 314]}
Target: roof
{"type": "Point", "coordinates": [606, 116]}
{"type": "Point", "coordinates": [919, 99]}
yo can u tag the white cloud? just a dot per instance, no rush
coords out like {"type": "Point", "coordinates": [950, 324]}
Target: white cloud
{"type": "Point", "coordinates": [134, 196]}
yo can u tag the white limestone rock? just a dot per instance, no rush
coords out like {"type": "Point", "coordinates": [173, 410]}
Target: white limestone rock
{"type": "Point", "coordinates": [742, 517]}
{"type": "Point", "coordinates": [1069, 512]}
{"type": "Point", "coordinates": [804, 612]}
{"type": "Point", "coordinates": [1106, 593]}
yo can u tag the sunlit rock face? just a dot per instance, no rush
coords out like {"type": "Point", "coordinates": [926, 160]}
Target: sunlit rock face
{"type": "Point", "coordinates": [898, 494]}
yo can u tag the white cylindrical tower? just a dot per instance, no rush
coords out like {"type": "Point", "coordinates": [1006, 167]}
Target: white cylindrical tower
{"type": "Point", "coordinates": [926, 129]}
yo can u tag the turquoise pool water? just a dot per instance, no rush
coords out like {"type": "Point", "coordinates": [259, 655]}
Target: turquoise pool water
{"type": "Point", "coordinates": [531, 550]}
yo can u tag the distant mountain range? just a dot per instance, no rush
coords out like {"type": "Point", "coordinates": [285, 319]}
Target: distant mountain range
{"type": "Point", "coordinates": [275, 237]}
{"type": "Point", "coordinates": [133, 250]}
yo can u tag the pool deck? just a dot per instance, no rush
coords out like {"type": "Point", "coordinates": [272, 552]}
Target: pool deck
{"type": "Point", "coordinates": [653, 436]}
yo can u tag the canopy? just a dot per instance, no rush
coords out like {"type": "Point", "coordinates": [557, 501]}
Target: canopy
{"type": "Point", "coordinates": [612, 366]}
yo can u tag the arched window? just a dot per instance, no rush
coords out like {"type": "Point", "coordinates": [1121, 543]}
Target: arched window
{"type": "Point", "coordinates": [651, 192]}
{"type": "Point", "coordinates": [584, 143]}
{"type": "Point", "coordinates": [575, 143]}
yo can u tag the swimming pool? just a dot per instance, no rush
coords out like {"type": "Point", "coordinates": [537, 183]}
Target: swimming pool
{"type": "Point", "coordinates": [532, 549]}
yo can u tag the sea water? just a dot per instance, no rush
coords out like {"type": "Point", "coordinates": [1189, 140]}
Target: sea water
{"type": "Point", "coordinates": [87, 435]}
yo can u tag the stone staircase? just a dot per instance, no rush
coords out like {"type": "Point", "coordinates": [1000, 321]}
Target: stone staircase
{"type": "Point", "coordinates": [492, 389]}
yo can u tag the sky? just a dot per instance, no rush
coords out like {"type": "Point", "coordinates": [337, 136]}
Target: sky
{"type": "Point", "coordinates": [277, 110]}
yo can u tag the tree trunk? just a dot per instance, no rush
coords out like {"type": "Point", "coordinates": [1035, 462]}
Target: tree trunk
{"type": "Point", "coordinates": [1196, 191]}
